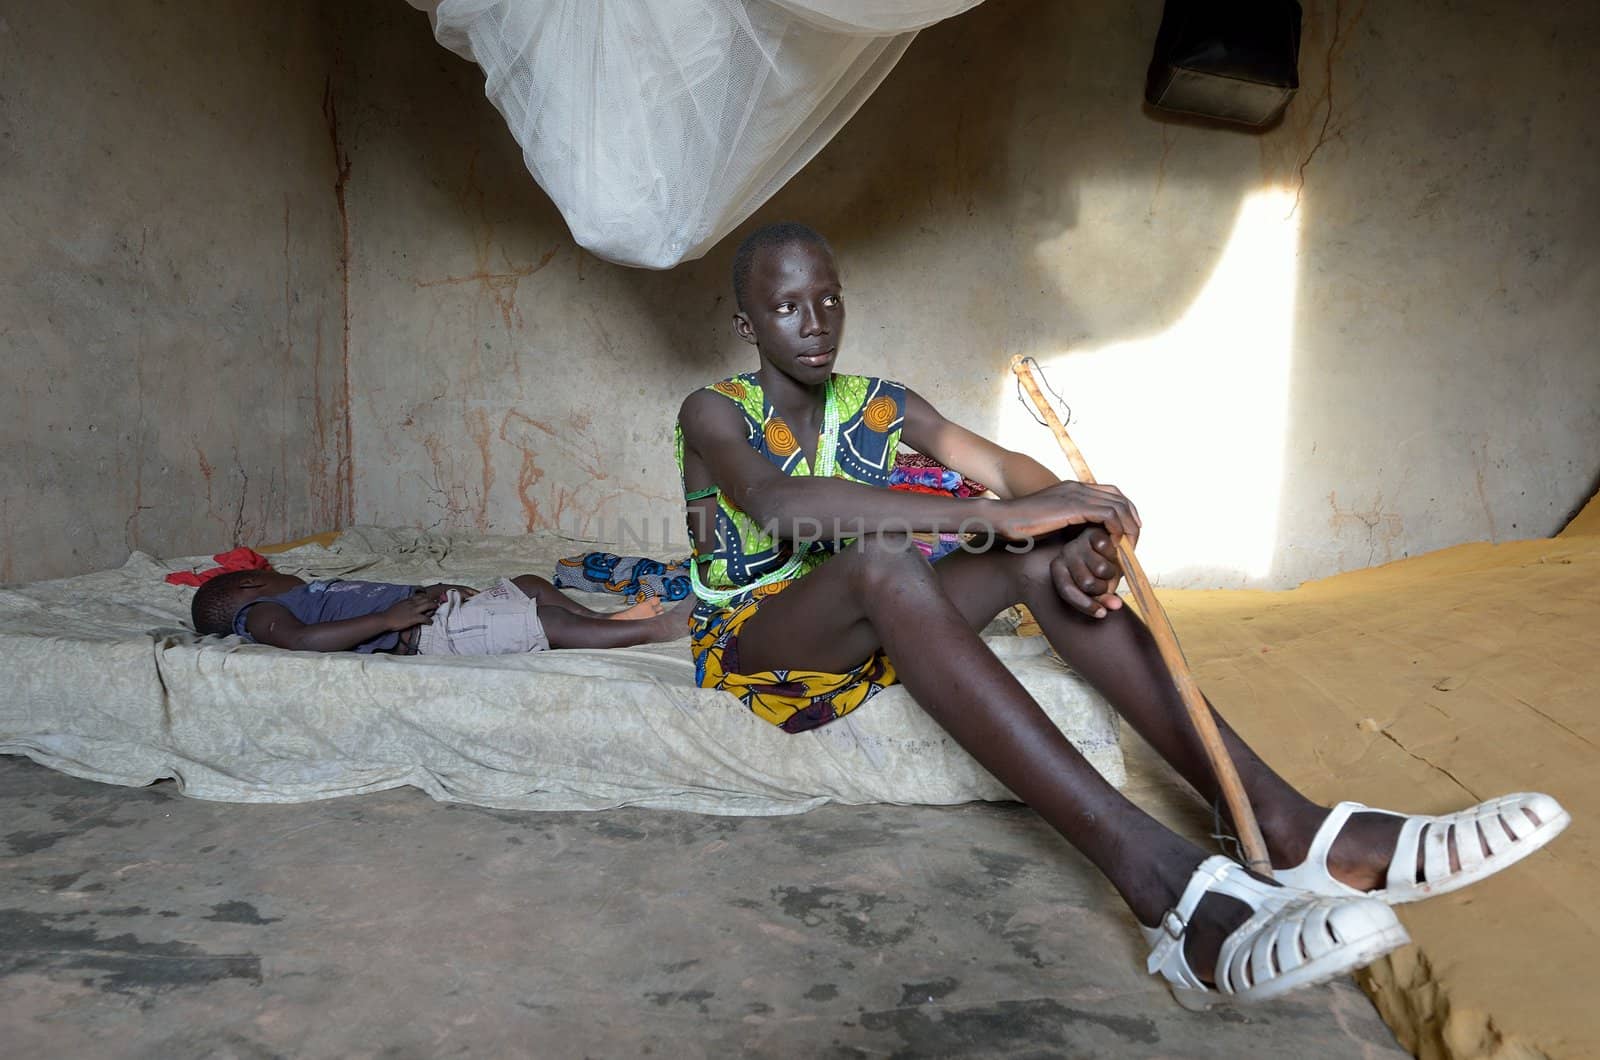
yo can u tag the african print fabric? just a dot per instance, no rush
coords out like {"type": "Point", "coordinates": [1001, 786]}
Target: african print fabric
{"type": "Point", "coordinates": [871, 413]}
{"type": "Point", "coordinates": [629, 576]}
{"type": "Point", "coordinates": [793, 700]}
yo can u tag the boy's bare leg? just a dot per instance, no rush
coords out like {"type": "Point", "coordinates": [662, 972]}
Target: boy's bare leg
{"type": "Point", "coordinates": [1119, 657]}
{"type": "Point", "coordinates": [546, 594]}
{"type": "Point", "coordinates": [880, 592]}
{"type": "Point", "coordinates": [567, 629]}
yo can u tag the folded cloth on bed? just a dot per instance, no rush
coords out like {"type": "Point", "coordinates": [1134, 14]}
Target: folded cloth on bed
{"type": "Point", "coordinates": [104, 682]}
{"type": "Point", "coordinates": [933, 479]}
{"type": "Point", "coordinates": [607, 572]}
{"type": "Point", "coordinates": [913, 469]}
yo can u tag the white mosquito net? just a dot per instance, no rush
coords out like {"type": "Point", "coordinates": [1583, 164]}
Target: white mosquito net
{"type": "Point", "coordinates": [656, 126]}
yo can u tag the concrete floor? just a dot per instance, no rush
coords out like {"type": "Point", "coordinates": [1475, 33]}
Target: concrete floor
{"type": "Point", "coordinates": [138, 923]}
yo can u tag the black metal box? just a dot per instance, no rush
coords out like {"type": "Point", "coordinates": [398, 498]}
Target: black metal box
{"type": "Point", "coordinates": [1232, 60]}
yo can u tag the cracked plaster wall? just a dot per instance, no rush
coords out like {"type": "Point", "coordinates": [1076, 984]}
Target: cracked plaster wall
{"type": "Point", "coordinates": [171, 308]}
{"type": "Point", "coordinates": [1002, 193]}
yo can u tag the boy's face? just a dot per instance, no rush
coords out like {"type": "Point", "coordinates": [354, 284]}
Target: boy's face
{"type": "Point", "coordinates": [794, 311]}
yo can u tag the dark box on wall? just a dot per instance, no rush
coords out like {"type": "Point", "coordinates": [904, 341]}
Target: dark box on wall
{"type": "Point", "coordinates": [1232, 60]}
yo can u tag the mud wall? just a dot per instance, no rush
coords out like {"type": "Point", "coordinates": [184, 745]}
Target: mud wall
{"type": "Point", "coordinates": [172, 320]}
{"type": "Point", "coordinates": [1363, 335]}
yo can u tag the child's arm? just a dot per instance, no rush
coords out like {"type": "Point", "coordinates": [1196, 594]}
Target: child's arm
{"type": "Point", "coordinates": [273, 624]}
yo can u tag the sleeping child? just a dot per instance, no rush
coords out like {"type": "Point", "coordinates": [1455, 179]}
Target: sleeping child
{"type": "Point", "coordinates": [515, 616]}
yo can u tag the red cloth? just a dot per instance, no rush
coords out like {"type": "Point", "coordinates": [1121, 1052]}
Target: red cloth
{"type": "Point", "coordinates": [240, 558]}
{"type": "Point", "coordinates": [915, 487]}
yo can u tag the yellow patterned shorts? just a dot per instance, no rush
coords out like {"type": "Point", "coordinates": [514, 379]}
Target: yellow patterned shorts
{"type": "Point", "coordinates": [793, 700]}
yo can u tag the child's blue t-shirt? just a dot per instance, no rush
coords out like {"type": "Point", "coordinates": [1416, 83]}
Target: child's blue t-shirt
{"type": "Point", "coordinates": [330, 601]}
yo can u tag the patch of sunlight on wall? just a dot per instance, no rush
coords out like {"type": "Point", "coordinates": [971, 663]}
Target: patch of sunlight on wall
{"type": "Point", "coordinates": [1191, 423]}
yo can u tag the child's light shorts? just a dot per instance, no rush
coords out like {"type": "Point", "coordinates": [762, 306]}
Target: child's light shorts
{"type": "Point", "coordinates": [498, 621]}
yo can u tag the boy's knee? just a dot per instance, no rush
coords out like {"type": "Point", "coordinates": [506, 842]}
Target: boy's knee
{"type": "Point", "coordinates": [1030, 568]}
{"type": "Point", "coordinates": [885, 559]}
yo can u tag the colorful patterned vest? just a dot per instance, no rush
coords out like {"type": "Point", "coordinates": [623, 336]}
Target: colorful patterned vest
{"type": "Point", "coordinates": [871, 413]}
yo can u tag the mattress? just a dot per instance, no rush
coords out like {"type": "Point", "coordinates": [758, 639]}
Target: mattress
{"type": "Point", "coordinates": [105, 680]}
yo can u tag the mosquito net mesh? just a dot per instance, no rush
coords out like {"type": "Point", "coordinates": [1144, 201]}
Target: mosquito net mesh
{"type": "Point", "coordinates": [656, 126]}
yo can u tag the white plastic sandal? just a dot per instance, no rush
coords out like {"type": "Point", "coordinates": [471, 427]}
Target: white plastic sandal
{"type": "Point", "coordinates": [1501, 826]}
{"type": "Point", "coordinates": [1291, 940]}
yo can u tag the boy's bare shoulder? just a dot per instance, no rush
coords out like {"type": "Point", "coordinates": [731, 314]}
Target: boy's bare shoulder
{"type": "Point", "coordinates": [703, 398]}
{"type": "Point", "coordinates": [706, 411]}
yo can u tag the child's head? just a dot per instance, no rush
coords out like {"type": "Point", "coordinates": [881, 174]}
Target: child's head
{"type": "Point", "coordinates": [790, 301]}
{"type": "Point", "coordinates": [218, 600]}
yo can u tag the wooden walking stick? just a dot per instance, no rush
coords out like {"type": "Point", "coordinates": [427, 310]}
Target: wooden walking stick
{"type": "Point", "coordinates": [1155, 617]}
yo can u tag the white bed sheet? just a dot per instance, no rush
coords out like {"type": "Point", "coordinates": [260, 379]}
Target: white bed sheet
{"type": "Point", "coordinates": [103, 680]}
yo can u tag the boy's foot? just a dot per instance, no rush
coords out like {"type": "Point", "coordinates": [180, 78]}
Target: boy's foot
{"type": "Point", "coordinates": [1359, 856]}
{"type": "Point", "coordinates": [647, 607]}
{"type": "Point", "coordinates": [1352, 849]}
{"type": "Point", "coordinates": [1234, 936]}
{"type": "Point", "coordinates": [1217, 917]}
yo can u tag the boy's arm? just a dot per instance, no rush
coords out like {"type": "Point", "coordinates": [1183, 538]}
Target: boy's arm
{"type": "Point", "coordinates": [1089, 559]}
{"type": "Point", "coordinates": [716, 451]}
{"type": "Point", "coordinates": [274, 624]}
{"type": "Point", "coordinates": [1009, 474]}
{"type": "Point", "coordinates": [800, 506]}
